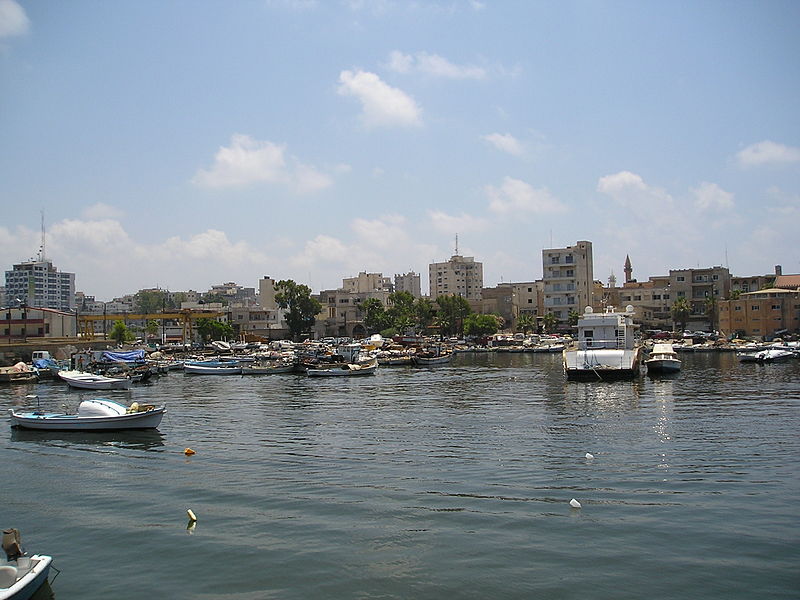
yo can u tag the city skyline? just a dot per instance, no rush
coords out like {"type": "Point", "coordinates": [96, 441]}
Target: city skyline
{"type": "Point", "coordinates": [180, 146]}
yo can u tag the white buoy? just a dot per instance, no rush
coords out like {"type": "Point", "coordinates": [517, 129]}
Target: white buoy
{"type": "Point", "coordinates": [589, 455]}
{"type": "Point", "coordinates": [574, 503]}
{"type": "Point", "coordinates": [191, 514]}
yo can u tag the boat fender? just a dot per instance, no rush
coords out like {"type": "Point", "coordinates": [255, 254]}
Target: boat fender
{"type": "Point", "coordinates": [189, 452]}
{"type": "Point", "coordinates": [589, 455]}
{"type": "Point", "coordinates": [574, 503]}
{"type": "Point", "coordinates": [134, 407]}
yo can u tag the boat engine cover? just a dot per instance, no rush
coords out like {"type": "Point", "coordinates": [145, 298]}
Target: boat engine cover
{"type": "Point", "coordinates": [100, 407]}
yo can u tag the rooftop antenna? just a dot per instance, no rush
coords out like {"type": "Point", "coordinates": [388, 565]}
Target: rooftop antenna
{"type": "Point", "coordinates": [41, 247]}
{"type": "Point", "coordinates": [456, 244]}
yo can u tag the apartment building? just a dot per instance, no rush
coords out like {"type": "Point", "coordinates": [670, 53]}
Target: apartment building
{"type": "Point", "coordinates": [459, 276]}
{"type": "Point", "coordinates": [17, 324]}
{"type": "Point", "coordinates": [37, 283]}
{"type": "Point", "coordinates": [408, 282]}
{"type": "Point", "coordinates": [761, 313]}
{"type": "Point", "coordinates": [568, 279]}
{"type": "Point", "coordinates": [696, 285]}
{"type": "Point", "coordinates": [367, 282]}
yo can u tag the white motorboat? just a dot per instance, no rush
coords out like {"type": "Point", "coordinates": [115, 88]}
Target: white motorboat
{"type": "Point", "coordinates": [766, 355]}
{"type": "Point", "coordinates": [212, 368]}
{"type": "Point", "coordinates": [21, 578]}
{"type": "Point", "coordinates": [346, 369]}
{"type": "Point", "coordinates": [663, 359]}
{"type": "Point", "coordinates": [91, 381]}
{"type": "Point", "coordinates": [99, 414]}
{"type": "Point", "coordinates": [605, 349]}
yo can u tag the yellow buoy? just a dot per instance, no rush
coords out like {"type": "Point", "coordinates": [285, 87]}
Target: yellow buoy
{"type": "Point", "coordinates": [191, 515]}
{"type": "Point", "coordinates": [189, 452]}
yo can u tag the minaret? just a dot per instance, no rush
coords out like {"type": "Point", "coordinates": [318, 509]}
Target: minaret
{"type": "Point", "coordinates": [628, 269]}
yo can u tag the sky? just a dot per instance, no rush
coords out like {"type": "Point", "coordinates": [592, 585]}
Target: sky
{"type": "Point", "coordinates": [186, 143]}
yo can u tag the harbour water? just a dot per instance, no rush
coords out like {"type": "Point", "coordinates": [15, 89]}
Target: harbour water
{"type": "Point", "coordinates": [451, 482]}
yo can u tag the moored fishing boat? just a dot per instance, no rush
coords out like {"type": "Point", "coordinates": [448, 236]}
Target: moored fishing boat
{"type": "Point", "coordinates": [211, 367]}
{"type": "Point", "coordinates": [345, 370]}
{"type": "Point", "coordinates": [431, 357]}
{"type": "Point", "coordinates": [99, 414]}
{"type": "Point", "coordinates": [91, 381]}
{"type": "Point", "coordinates": [766, 355]}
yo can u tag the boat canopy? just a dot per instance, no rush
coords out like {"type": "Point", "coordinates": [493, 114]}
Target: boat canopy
{"type": "Point", "coordinates": [131, 356]}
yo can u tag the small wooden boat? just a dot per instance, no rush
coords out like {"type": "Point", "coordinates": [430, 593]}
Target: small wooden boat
{"type": "Point", "coordinates": [19, 373]}
{"type": "Point", "coordinates": [99, 414]}
{"type": "Point", "coordinates": [212, 368]}
{"type": "Point", "coordinates": [274, 369]}
{"type": "Point", "coordinates": [90, 381]}
{"type": "Point", "coordinates": [766, 355]}
{"type": "Point", "coordinates": [346, 369]}
{"type": "Point", "coordinates": [432, 357]}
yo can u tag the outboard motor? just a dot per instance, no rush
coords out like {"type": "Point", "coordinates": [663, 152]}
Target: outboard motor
{"type": "Point", "coordinates": [12, 544]}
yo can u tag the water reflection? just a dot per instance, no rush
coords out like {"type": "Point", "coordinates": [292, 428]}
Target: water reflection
{"type": "Point", "coordinates": [130, 440]}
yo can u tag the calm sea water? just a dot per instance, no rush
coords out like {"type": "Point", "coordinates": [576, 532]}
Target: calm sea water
{"type": "Point", "coordinates": [452, 482]}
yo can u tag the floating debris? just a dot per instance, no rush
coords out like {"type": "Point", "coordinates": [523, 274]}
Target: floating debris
{"type": "Point", "coordinates": [189, 452]}
{"type": "Point", "coordinates": [574, 503]}
{"type": "Point", "coordinates": [589, 455]}
{"type": "Point", "coordinates": [191, 514]}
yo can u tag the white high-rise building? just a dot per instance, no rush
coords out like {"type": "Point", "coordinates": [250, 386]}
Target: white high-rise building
{"type": "Point", "coordinates": [37, 283]}
{"type": "Point", "coordinates": [408, 282]}
{"type": "Point", "coordinates": [459, 276]}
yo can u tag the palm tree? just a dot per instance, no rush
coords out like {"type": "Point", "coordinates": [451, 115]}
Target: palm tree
{"type": "Point", "coordinates": [681, 309]}
{"type": "Point", "coordinates": [574, 315]}
{"type": "Point", "coordinates": [525, 322]}
{"type": "Point", "coordinates": [550, 321]}
{"type": "Point", "coordinates": [711, 310]}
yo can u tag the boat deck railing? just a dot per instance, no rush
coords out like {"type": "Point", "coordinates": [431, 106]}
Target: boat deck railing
{"type": "Point", "coordinates": [598, 344]}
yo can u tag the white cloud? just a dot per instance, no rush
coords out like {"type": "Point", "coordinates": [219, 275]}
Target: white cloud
{"type": "Point", "coordinates": [767, 153]}
{"type": "Point", "coordinates": [505, 142]}
{"type": "Point", "coordinates": [515, 196]}
{"type": "Point", "coordinates": [382, 104]}
{"type": "Point", "coordinates": [13, 20]}
{"type": "Point", "coordinates": [450, 224]}
{"type": "Point", "coordinates": [248, 161]}
{"type": "Point", "coordinates": [631, 192]}
{"type": "Point", "coordinates": [385, 233]}
{"type": "Point", "coordinates": [433, 65]}
{"type": "Point", "coordinates": [711, 197]}
{"type": "Point", "coordinates": [101, 210]}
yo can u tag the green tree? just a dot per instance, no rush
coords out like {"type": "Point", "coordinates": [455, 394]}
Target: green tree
{"type": "Point", "coordinates": [209, 298]}
{"type": "Point", "coordinates": [120, 333]}
{"type": "Point", "coordinates": [451, 314]}
{"type": "Point", "coordinates": [151, 328]}
{"type": "Point", "coordinates": [301, 309]}
{"type": "Point", "coordinates": [149, 301]}
{"type": "Point", "coordinates": [210, 329]}
{"type": "Point", "coordinates": [573, 317]}
{"type": "Point", "coordinates": [481, 325]}
{"type": "Point", "coordinates": [526, 322]}
{"type": "Point", "coordinates": [375, 317]}
{"type": "Point", "coordinates": [735, 294]}
{"type": "Point", "coordinates": [550, 322]}
{"type": "Point", "coordinates": [401, 308]}
{"type": "Point", "coordinates": [424, 313]}
{"type": "Point", "coordinates": [681, 309]}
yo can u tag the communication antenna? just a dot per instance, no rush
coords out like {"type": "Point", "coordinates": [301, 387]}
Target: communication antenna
{"type": "Point", "coordinates": [456, 244]}
{"type": "Point", "coordinates": [41, 247]}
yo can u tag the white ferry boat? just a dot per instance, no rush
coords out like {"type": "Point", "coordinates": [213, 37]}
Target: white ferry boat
{"type": "Point", "coordinates": [606, 347]}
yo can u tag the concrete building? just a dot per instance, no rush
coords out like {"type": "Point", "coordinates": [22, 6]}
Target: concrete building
{"type": "Point", "coordinates": [696, 285]}
{"type": "Point", "coordinates": [364, 283]}
{"type": "Point", "coordinates": [408, 282]}
{"type": "Point", "coordinates": [568, 275]}
{"type": "Point", "coordinates": [18, 324]}
{"type": "Point", "coordinates": [651, 301]}
{"type": "Point", "coordinates": [234, 293]}
{"type": "Point", "coordinates": [459, 276]}
{"type": "Point", "coordinates": [38, 283]}
{"type": "Point", "coordinates": [763, 313]}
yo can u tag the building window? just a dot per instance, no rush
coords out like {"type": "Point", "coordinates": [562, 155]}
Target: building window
{"type": "Point", "coordinates": [754, 307]}
{"type": "Point", "coordinates": [637, 298]}
{"type": "Point", "coordinates": [681, 294]}
{"type": "Point", "coordinates": [680, 278]}
{"type": "Point", "coordinates": [737, 308]}
{"type": "Point", "coordinates": [776, 307]}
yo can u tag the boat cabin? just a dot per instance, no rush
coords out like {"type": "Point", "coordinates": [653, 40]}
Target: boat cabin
{"type": "Point", "coordinates": [606, 330]}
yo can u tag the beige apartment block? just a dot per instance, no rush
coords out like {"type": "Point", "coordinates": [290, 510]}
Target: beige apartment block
{"type": "Point", "coordinates": [408, 282]}
{"type": "Point", "coordinates": [762, 313]}
{"type": "Point", "coordinates": [459, 276]}
{"type": "Point", "coordinates": [364, 283]}
{"type": "Point", "coordinates": [568, 279]}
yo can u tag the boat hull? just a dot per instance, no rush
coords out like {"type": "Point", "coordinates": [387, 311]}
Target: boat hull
{"type": "Point", "coordinates": [150, 419]}
{"type": "Point", "coordinates": [87, 381]}
{"type": "Point", "coordinates": [663, 365]}
{"type": "Point", "coordinates": [601, 364]}
{"type": "Point", "coordinates": [203, 370]}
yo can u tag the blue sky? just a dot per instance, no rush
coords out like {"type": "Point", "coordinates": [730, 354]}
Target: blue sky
{"type": "Point", "coordinates": [188, 143]}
